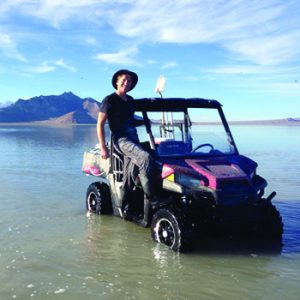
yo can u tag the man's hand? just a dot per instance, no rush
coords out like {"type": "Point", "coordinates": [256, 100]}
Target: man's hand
{"type": "Point", "coordinates": [104, 152]}
{"type": "Point", "coordinates": [102, 117]}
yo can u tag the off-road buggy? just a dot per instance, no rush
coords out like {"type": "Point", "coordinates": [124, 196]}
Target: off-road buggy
{"type": "Point", "coordinates": [204, 182]}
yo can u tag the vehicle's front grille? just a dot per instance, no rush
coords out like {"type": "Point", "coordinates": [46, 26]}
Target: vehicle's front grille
{"type": "Point", "coordinates": [234, 192]}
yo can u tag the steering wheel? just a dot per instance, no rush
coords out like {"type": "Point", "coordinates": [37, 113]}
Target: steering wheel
{"type": "Point", "coordinates": [203, 145]}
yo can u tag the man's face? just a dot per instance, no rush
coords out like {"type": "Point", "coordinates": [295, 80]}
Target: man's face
{"type": "Point", "coordinates": [124, 83]}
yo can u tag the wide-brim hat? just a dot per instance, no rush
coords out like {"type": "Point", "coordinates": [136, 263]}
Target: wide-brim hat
{"type": "Point", "coordinates": [134, 78]}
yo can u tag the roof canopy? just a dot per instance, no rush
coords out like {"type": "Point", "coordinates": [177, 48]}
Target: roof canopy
{"type": "Point", "coordinates": [173, 104]}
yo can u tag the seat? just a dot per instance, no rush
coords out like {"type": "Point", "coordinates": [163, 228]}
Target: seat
{"type": "Point", "coordinates": [171, 147]}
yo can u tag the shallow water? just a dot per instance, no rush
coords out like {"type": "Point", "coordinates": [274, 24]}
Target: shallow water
{"type": "Point", "coordinates": [50, 248]}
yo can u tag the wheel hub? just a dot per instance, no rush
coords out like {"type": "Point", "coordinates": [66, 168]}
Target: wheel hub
{"type": "Point", "coordinates": [165, 233]}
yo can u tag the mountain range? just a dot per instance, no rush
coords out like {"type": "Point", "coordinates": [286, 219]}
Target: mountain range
{"type": "Point", "coordinates": [7, 103]}
{"type": "Point", "coordinates": [68, 108]}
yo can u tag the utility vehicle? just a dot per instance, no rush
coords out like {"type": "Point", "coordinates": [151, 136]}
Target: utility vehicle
{"type": "Point", "coordinates": [203, 183]}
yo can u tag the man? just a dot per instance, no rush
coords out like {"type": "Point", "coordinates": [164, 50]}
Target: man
{"type": "Point", "coordinates": [118, 109]}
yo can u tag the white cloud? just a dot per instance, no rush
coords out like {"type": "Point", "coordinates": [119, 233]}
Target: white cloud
{"type": "Point", "coordinates": [151, 62]}
{"type": "Point", "coordinates": [257, 71]}
{"type": "Point", "coordinates": [264, 32]}
{"type": "Point", "coordinates": [44, 67]}
{"type": "Point", "coordinates": [10, 4]}
{"type": "Point", "coordinates": [169, 65]}
{"type": "Point", "coordinates": [57, 12]}
{"type": "Point", "coordinates": [257, 79]}
{"type": "Point", "coordinates": [90, 40]}
{"type": "Point", "coordinates": [9, 48]}
{"type": "Point", "coordinates": [267, 50]}
{"type": "Point", "coordinates": [62, 64]}
{"type": "Point", "coordinates": [235, 69]}
{"type": "Point", "coordinates": [122, 57]}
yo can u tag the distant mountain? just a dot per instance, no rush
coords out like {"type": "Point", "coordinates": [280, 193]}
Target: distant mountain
{"type": "Point", "coordinates": [68, 108]}
{"type": "Point", "coordinates": [287, 121]}
{"type": "Point", "coordinates": [7, 103]}
{"type": "Point", "coordinates": [65, 108]}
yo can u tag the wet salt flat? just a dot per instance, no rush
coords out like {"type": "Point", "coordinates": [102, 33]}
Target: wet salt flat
{"type": "Point", "coordinates": [51, 249]}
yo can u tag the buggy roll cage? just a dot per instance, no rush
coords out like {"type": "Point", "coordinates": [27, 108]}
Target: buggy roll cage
{"type": "Point", "coordinates": [145, 105]}
{"type": "Point", "coordinates": [175, 105]}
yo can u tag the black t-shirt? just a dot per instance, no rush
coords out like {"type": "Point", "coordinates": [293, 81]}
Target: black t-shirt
{"type": "Point", "coordinates": [120, 115]}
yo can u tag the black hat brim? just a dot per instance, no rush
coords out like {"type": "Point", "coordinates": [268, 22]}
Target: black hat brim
{"type": "Point", "coordinates": [134, 78]}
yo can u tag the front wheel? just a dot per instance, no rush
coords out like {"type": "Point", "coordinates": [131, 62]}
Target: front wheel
{"type": "Point", "coordinates": [271, 225]}
{"type": "Point", "coordinates": [98, 199]}
{"type": "Point", "coordinates": [169, 229]}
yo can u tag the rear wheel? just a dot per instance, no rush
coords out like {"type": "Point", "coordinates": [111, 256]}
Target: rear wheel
{"type": "Point", "coordinates": [169, 229]}
{"type": "Point", "coordinates": [98, 199]}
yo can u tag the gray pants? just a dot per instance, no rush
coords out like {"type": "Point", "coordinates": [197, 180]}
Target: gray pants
{"type": "Point", "coordinates": [134, 155]}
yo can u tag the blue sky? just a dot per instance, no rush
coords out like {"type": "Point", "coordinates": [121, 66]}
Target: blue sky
{"type": "Point", "coordinates": [244, 53]}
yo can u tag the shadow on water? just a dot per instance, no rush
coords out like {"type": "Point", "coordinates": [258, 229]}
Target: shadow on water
{"type": "Point", "coordinates": [237, 245]}
{"type": "Point", "coordinates": [245, 245]}
{"type": "Point", "coordinates": [212, 244]}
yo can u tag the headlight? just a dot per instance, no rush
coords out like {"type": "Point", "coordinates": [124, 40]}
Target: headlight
{"type": "Point", "coordinates": [179, 178]}
{"type": "Point", "coordinates": [187, 181]}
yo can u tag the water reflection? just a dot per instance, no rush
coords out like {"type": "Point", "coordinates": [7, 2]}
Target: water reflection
{"type": "Point", "coordinates": [164, 258]}
{"type": "Point", "coordinates": [106, 235]}
{"type": "Point", "coordinates": [47, 136]}
{"type": "Point", "coordinates": [290, 212]}
{"type": "Point", "coordinates": [51, 247]}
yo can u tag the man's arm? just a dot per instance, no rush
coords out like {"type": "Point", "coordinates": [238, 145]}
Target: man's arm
{"type": "Point", "coordinates": [102, 117]}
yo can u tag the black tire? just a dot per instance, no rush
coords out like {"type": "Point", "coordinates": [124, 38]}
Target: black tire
{"type": "Point", "coordinates": [98, 199]}
{"type": "Point", "coordinates": [169, 229]}
{"type": "Point", "coordinates": [271, 225]}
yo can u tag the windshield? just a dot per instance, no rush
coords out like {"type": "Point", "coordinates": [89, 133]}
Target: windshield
{"type": "Point", "coordinates": [194, 132]}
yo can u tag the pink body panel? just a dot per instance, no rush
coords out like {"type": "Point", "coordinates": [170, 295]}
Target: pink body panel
{"type": "Point", "coordinates": [215, 171]}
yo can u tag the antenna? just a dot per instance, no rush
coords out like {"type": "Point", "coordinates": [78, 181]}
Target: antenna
{"type": "Point", "coordinates": [160, 85]}
{"type": "Point", "coordinates": [167, 118]}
